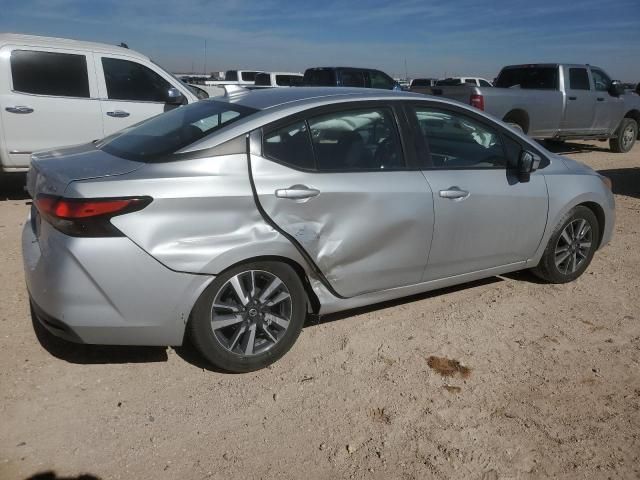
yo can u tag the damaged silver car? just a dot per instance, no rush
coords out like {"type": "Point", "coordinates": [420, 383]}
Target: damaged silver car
{"type": "Point", "coordinates": [232, 219]}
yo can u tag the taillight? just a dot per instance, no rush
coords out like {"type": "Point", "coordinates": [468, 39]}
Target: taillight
{"type": "Point", "coordinates": [87, 217]}
{"type": "Point", "coordinates": [477, 101]}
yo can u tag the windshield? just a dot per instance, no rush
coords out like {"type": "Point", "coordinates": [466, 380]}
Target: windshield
{"type": "Point", "coordinates": [165, 134]}
{"type": "Point", "coordinates": [539, 78]}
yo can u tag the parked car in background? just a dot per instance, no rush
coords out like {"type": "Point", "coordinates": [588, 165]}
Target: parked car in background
{"type": "Point", "coordinates": [348, 77]}
{"type": "Point", "coordinates": [453, 81]}
{"type": "Point", "coordinates": [230, 220]}
{"type": "Point", "coordinates": [278, 79]}
{"type": "Point", "coordinates": [56, 92]}
{"type": "Point", "coordinates": [235, 77]}
{"type": "Point", "coordinates": [422, 85]}
{"type": "Point", "coordinates": [559, 102]}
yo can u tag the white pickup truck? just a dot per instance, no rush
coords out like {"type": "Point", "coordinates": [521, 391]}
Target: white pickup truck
{"type": "Point", "coordinates": [558, 102]}
{"type": "Point", "coordinates": [56, 92]}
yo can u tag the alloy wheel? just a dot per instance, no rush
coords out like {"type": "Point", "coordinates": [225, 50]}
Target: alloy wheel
{"type": "Point", "coordinates": [251, 312]}
{"type": "Point", "coordinates": [574, 245]}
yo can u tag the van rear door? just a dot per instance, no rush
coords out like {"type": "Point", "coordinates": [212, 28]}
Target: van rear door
{"type": "Point", "coordinates": [48, 99]}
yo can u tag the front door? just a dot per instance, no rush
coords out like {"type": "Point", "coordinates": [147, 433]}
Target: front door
{"type": "Point", "coordinates": [50, 101]}
{"type": "Point", "coordinates": [484, 216]}
{"type": "Point", "coordinates": [609, 109]}
{"type": "Point", "coordinates": [338, 184]}
{"type": "Point", "coordinates": [130, 92]}
{"type": "Point", "coordinates": [580, 102]}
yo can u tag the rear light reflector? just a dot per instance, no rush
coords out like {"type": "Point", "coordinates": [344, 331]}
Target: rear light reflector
{"type": "Point", "coordinates": [87, 217]}
{"type": "Point", "coordinates": [477, 101]}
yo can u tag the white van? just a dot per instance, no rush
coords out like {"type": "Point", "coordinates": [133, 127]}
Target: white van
{"type": "Point", "coordinates": [56, 92]}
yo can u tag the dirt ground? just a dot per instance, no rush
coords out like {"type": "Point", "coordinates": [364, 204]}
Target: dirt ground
{"type": "Point", "coordinates": [540, 381]}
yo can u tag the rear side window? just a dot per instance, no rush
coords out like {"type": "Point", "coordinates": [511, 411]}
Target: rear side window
{"type": "Point", "coordinates": [538, 78]}
{"type": "Point", "coordinates": [289, 80]}
{"type": "Point", "coordinates": [320, 77]}
{"type": "Point", "coordinates": [155, 139]}
{"type": "Point", "coordinates": [356, 140]}
{"type": "Point", "coordinates": [132, 81]}
{"type": "Point", "coordinates": [458, 141]}
{"type": "Point", "coordinates": [248, 76]}
{"type": "Point", "coordinates": [290, 145]}
{"type": "Point", "coordinates": [380, 80]}
{"type": "Point", "coordinates": [578, 79]}
{"type": "Point", "coordinates": [50, 73]}
{"type": "Point", "coordinates": [263, 80]}
{"type": "Point", "coordinates": [352, 78]}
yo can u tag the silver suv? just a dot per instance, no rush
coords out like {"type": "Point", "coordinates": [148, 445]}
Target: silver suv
{"type": "Point", "coordinates": [232, 219]}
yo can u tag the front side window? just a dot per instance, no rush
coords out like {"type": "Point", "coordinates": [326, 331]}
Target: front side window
{"type": "Point", "coordinates": [128, 80]}
{"type": "Point", "coordinates": [290, 145]}
{"type": "Point", "coordinates": [380, 80]}
{"type": "Point", "coordinates": [352, 78]}
{"type": "Point", "coordinates": [356, 140]}
{"type": "Point", "coordinates": [458, 141]}
{"type": "Point", "coordinates": [163, 135]}
{"type": "Point", "coordinates": [49, 73]}
{"type": "Point", "coordinates": [601, 81]}
{"type": "Point", "coordinates": [578, 79]}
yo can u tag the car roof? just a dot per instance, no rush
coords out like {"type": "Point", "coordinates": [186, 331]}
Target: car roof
{"type": "Point", "coordinates": [65, 43]}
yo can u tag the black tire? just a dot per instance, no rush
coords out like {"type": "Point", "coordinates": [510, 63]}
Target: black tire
{"type": "Point", "coordinates": [625, 136]}
{"type": "Point", "coordinates": [516, 126]}
{"type": "Point", "coordinates": [547, 269]}
{"type": "Point", "coordinates": [210, 344]}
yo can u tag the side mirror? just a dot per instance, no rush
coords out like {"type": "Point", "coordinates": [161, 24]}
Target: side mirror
{"type": "Point", "coordinates": [616, 88]}
{"type": "Point", "coordinates": [527, 163]}
{"type": "Point", "coordinates": [175, 97]}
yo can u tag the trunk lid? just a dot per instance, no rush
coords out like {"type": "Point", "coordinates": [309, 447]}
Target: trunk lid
{"type": "Point", "coordinates": [52, 171]}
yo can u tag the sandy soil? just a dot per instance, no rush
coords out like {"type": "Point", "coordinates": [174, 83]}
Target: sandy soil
{"type": "Point", "coordinates": [541, 381]}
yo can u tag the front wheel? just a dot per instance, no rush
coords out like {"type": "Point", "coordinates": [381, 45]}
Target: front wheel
{"type": "Point", "coordinates": [625, 136]}
{"type": "Point", "coordinates": [249, 316]}
{"type": "Point", "coordinates": [570, 248]}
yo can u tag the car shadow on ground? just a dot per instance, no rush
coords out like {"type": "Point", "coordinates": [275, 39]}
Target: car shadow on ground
{"type": "Point", "coordinates": [570, 147]}
{"type": "Point", "coordinates": [12, 186]}
{"type": "Point", "coordinates": [49, 475]}
{"type": "Point", "coordinates": [625, 181]}
{"type": "Point", "coordinates": [95, 354]}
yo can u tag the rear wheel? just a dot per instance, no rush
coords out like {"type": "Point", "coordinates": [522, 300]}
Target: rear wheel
{"type": "Point", "coordinates": [570, 248]}
{"type": "Point", "coordinates": [625, 136]}
{"type": "Point", "coordinates": [249, 317]}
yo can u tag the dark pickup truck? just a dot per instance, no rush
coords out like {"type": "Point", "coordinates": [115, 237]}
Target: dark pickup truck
{"type": "Point", "coordinates": [559, 102]}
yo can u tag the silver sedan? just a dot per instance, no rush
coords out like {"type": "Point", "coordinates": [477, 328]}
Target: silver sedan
{"type": "Point", "coordinates": [230, 220]}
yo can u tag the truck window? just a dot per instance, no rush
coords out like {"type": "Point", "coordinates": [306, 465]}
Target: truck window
{"type": "Point", "coordinates": [578, 79]}
{"type": "Point", "coordinates": [353, 78]}
{"type": "Point", "coordinates": [484, 83]}
{"type": "Point", "coordinates": [449, 82]}
{"type": "Point", "coordinates": [537, 78]}
{"type": "Point", "coordinates": [231, 76]}
{"type": "Point", "coordinates": [248, 76]}
{"type": "Point", "coordinates": [263, 79]}
{"type": "Point", "coordinates": [601, 80]}
{"type": "Point", "coordinates": [380, 80]}
{"type": "Point", "coordinates": [320, 77]}
{"type": "Point", "coordinates": [288, 80]}
{"type": "Point", "coordinates": [49, 73]}
{"type": "Point", "coordinates": [128, 80]}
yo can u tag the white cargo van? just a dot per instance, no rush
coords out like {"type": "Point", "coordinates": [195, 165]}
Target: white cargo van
{"type": "Point", "coordinates": [56, 92]}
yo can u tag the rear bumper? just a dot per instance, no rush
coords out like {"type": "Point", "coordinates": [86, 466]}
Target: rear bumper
{"type": "Point", "coordinates": [105, 290]}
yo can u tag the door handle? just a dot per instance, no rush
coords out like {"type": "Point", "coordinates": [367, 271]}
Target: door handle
{"type": "Point", "coordinates": [19, 109]}
{"type": "Point", "coordinates": [454, 193]}
{"type": "Point", "coordinates": [118, 114]}
{"type": "Point", "coordinates": [600, 99]}
{"type": "Point", "coordinates": [573, 98]}
{"type": "Point", "coordinates": [297, 192]}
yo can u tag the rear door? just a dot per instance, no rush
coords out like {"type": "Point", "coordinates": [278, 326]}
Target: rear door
{"type": "Point", "coordinates": [580, 101]}
{"type": "Point", "coordinates": [49, 99]}
{"type": "Point", "coordinates": [337, 182]}
{"type": "Point", "coordinates": [484, 216]}
{"type": "Point", "coordinates": [130, 91]}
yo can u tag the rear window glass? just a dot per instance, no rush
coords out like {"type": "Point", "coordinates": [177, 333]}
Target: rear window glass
{"type": "Point", "coordinates": [421, 82]}
{"type": "Point", "coordinates": [165, 134]}
{"type": "Point", "coordinates": [448, 82]}
{"type": "Point", "coordinates": [49, 73]}
{"type": "Point", "coordinates": [320, 77]}
{"type": "Point", "coordinates": [537, 78]}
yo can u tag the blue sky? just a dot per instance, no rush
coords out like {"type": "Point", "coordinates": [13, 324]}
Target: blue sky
{"type": "Point", "coordinates": [452, 37]}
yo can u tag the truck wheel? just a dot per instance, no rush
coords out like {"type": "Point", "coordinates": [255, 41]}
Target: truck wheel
{"type": "Point", "coordinates": [625, 136]}
{"type": "Point", "coordinates": [515, 126]}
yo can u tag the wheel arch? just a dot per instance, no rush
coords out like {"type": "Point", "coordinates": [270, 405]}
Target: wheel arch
{"type": "Point", "coordinates": [518, 116]}
{"type": "Point", "coordinates": [598, 211]}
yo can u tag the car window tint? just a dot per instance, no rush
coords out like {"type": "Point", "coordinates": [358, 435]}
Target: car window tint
{"type": "Point", "coordinates": [231, 76]}
{"type": "Point", "coordinates": [578, 79]}
{"type": "Point", "coordinates": [458, 141]}
{"type": "Point", "coordinates": [263, 79]}
{"type": "Point", "coordinates": [248, 76]}
{"type": "Point", "coordinates": [320, 77]}
{"type": "Point", "coordinates": [352, 78]}
{"type": "Point", "coordinates": [290, 145]}
{"type": "Point", "coordinates": [380, 80]}
{"type": "Point", "coordinates": [132, 81]}
{"type": "Point", "coordinates": [601, 81]}
{"type": "Point", "coordinates": [356, 140]}
{"type": "Point", "coordinates": [539, 78]}
{"type": "Point", "coordinates": [49, 73]}
{"type": "Point", "coordinates": [484, 83]}
{"type": "Point", "coordinates": [288, 80]}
